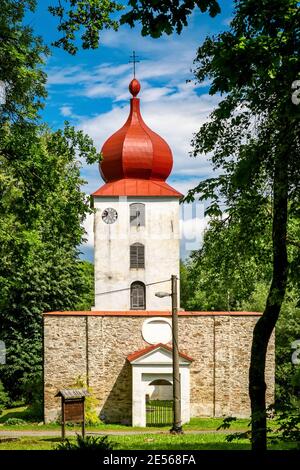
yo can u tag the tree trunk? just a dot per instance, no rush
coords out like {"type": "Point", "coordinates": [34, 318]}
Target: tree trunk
{"type": "Point", "coordinates": [265, 325]}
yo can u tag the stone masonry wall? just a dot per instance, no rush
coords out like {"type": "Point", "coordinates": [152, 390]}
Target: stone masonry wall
{"type": "Point", "coordinates": [97, 346]}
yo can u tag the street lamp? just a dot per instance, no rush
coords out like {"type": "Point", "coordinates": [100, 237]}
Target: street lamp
{"type": "Point", "coordinates": [176, 427]}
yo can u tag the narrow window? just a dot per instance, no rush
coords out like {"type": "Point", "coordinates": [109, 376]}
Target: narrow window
{"type": "Point", "coordinates": [137, 215]}
{"type": "Point", "coordinates": [137, 255]}
{"type": "Point", "coordinates": [137, 296]}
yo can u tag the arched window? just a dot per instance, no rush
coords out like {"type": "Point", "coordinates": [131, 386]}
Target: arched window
{"type": "Point", "coordinates": [137, 255]}
{"type": "Point", "coordinates": [137, 296]}
{"type": "Point", "coordinates": [137, 215]}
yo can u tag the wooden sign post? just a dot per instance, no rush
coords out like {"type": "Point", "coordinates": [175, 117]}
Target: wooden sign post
{"type": "Point", "coordinates": [72, 408]}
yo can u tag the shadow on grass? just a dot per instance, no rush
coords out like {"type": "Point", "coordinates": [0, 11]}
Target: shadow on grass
{"type": "Point", "coordinates": [50, 439]}
{"type": "Point", "coordinates": [196, 446]}
{"type": "Point", "coordinates": [24, 413]}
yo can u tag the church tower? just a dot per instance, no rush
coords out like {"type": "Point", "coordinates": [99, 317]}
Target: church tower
{"type": "Point", "coordinates": [136, 225]}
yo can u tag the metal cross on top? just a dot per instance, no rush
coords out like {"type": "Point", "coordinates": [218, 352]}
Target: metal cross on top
{"type": "Point", "coordinates": [133, 60]}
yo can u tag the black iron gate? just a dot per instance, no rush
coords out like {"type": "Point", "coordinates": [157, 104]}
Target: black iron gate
{"type": "Point", "coordinates": [159, 412]}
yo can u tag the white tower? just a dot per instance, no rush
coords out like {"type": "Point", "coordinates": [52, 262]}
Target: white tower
{"type": "Point", "coordinates": [136, 225]}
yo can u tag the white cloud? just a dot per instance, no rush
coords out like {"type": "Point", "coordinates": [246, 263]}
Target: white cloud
{"type": "Point", "coordinates": [97, 90]}
{"type": "Point", "coordinates": [67, 75]}
{"type": "Point", "coordinates": [192, 232]}
{"type": "Point", "coordinates": [66, 111]}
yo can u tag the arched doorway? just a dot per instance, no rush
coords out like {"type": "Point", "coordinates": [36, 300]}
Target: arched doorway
{"type": "Point", "coordinates": [153, 365]}
{"type": "Point", "coordinates": [159, 403]}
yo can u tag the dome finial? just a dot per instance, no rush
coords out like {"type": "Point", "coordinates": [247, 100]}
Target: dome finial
{"type": "Point", "coordinates": [134, 87]}
{"type": "Point", "coordinates": [135, 151]}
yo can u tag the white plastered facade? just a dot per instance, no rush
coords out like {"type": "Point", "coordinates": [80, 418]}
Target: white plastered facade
{"type": "Point", "coordinates": [160, 236]}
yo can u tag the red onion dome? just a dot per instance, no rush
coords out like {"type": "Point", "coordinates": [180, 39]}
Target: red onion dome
{"type": "Point", "coordinates": [135, 151]}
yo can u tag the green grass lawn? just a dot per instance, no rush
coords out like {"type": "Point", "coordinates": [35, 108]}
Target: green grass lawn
{"type": "Point", "coordinates": [147, 442]}
{"type": "Point", "coordinates": [196, 424]}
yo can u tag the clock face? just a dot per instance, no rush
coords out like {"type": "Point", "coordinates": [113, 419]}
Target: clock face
{"type": "Point", "coordinates": [109, 215]}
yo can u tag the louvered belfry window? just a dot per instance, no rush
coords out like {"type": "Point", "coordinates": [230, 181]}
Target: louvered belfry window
{"type": "Point", "coordinates": [137, 296]}
{"type": "Point", "coordinates": [137, 255]}
{"type": "Point", "coordinates": [137, 215]}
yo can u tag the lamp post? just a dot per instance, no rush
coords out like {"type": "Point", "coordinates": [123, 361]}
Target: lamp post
{"type": "Point", "coordinates": [176, 427]}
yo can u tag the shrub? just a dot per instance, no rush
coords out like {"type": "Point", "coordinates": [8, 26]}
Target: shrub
{"type": "Point", "coordinates": [88, 443]}
{"type": "Point", "coordinates": [15, 422]}
{"type": "Point", "coordinates": [32, 389]}
{"type": "Point", "coordinates": [4, 398]}
{"type": "Point", "coordinates": [91, 416]}
{"type": "Point", "coordinates": [287, 418]}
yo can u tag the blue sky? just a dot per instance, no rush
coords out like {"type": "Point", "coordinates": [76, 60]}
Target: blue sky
{"type": "Point", "coordinates": [90, 90]}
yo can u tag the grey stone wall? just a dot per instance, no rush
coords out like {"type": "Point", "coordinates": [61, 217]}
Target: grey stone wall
{"type": "Point", "coordinates": [97, 346]}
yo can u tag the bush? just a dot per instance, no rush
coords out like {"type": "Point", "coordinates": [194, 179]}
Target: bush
{"type": "Point", "coordinates": [4, 398]}
{"type": "Point", "coordinates": [15, 422]}
{"type": "Point", "coordinates": [287, 422]}
{"type": "Point", "coordinates": [91, 416]}
{"type": "Point", "coordinates": [87, 443]}
{"type": "Point", "coordinates": [32, 390]}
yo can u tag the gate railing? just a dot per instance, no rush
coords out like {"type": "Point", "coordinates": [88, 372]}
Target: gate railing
{"type": "Point", "coordinates": [159, 412]}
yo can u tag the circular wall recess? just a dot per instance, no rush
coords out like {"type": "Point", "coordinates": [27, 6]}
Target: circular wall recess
{"type": "Point", "coordinates": [157, 330]}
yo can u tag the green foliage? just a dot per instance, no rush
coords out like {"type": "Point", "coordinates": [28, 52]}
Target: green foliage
{"type": "Point", "coordinates": [4, 398]}
{"type": "Point", "coordinates": [228, 273]}
{"type": "Point", "coordinates": [249, 127]}
{"type": "Point", "coordinates": [257, 299]}
{"type": "Point", "coordinates": [89, 443]}
{"type": "Point", "coordinates": [91, 403]}
{"type": "Point", "coordinates": [288, 425]}
{"type": "Point", "coordinates": [42, 209]}
{"type": "Point", "coordinates": [228, 420]}
{"type": "Point", "coordinates": [287, 331]}
{"type": "Point", "coordinates": [86, 276]}
{"type": "Point", "coordinates": [90, 17]}
{"type": "Point", "coordinates": [31, 386]}
{"type": "Point", "coordinates": [15, 422]}
{"type": "Point", "coordinates": [253, 138]}
{"type": "Point", "coordinates": [225, 272]}
{"type": "Point", "coordinates": [21, 57]}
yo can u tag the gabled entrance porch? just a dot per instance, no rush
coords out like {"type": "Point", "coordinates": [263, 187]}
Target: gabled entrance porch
{"type": "Point", "coordinates": [152, 381]}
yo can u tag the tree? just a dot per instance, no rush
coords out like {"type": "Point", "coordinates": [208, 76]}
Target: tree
{"type": "Point", "coordinates": [42, 208]}
{"type": "Point", "coordinates": [90, 17]}
{"type": "Point", "coordinates": [225, 271]}
{"type": "Point", "coordinates": [228, 273]}
{"type": "Point", "coordinates": [86, 286]}
{"type": "Point", "coordinates": [22, 56]}
{"type": "Point", "coordinates": [254, 137]}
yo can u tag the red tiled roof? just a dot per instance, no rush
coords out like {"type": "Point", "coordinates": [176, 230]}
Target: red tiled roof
{"type": "Point", "coordinates": [136, 187]}
{"type": "Point", "coordinates": [144, 351]}
{"type": "Point", "coordinates": [149, 313]}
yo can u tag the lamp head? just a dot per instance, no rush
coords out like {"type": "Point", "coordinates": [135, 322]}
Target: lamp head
{"type": "Point", "coordinates": [162, 294]}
